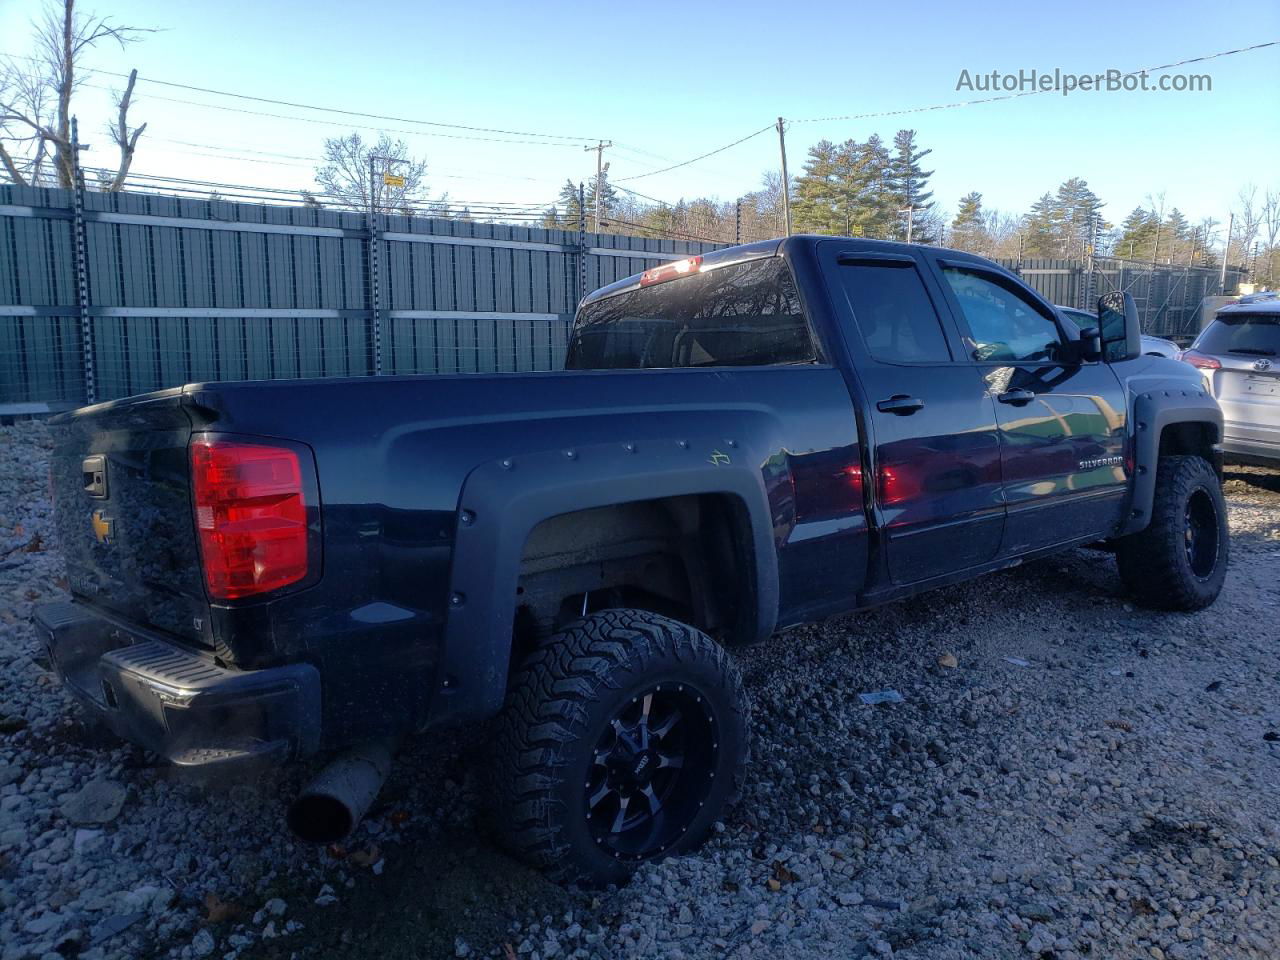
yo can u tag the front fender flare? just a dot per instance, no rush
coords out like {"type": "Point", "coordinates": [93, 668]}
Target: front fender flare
{"type": "Point", "coordinates": [1153, 410]}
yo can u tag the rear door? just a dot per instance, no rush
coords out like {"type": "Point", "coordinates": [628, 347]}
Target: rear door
{"type": "Point", "coordinates": [1062, 421]}
{"type": "Point", "coordinates": [931, 425]}
{"type": "Point", "coordinates": [120, 474]}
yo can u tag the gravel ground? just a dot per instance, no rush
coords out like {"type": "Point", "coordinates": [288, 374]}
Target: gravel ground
{"type": "Point", "coordinates": [1083, 779]}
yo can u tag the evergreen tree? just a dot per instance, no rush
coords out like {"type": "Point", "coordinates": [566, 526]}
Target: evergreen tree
{"type": "Point", "coordinates": [1175, 244]}
{"type": "Point", "coordinates": [969, 229]}
{"type": "Point", "coordinates": [1061, 224]}
{"type": "Point", "coordinates": [878, 212]}
{"type": "Point", "coordinates": [815, 206]}
{"type": "Point", "coordinates": [1137, 235]}
{"type": "Point", "coordinates": [909, 185]}
{"type": "Point", "coordinates": [1075, 208]}
{"type": "Point", "coordinates": [1040, 228]}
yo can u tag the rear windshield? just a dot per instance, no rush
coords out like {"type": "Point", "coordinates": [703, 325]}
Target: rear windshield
{"type": "Point", "coordinates": [743, 315]}
{"type": "Point", "coordinates": [1252, 335]}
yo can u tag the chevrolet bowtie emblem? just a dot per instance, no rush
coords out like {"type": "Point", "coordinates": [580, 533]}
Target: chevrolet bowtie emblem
{"type": "Point", "coordinates": [102, 526]}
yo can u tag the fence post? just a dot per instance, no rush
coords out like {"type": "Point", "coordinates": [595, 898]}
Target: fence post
{"type": "Point", "coordinates": [582, 245]}
{"type": "Point", "coordinates": [375, 294]}
{"type": "Point", "coordinates": [79, 240]}
{"type": "Point", "coordinates": [1086, 294]}
{"type": "Point", "coordinates": [375, 289]}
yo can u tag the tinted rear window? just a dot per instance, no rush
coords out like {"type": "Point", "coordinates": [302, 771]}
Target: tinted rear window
{"type": "Point", "coordinates": [894, 312]}
{"type": "Point", "coordinates": [744, 315]}
{"type": "Point", "coordinates": [1256, 335]}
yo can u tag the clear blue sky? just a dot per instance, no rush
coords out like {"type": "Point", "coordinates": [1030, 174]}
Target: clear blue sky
{"type": "Point", "coordinates": [667, 81]}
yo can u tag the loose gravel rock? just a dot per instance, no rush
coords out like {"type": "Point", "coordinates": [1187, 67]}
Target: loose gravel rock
{"type": "Point", "coordinates": [1116, 796]}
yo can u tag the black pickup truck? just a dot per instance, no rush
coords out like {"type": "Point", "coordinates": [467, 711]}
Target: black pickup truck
{"type": "Point", "coordinates": [740, 442]}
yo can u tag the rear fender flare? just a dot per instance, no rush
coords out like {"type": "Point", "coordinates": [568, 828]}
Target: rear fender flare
{"type": "Point", "coordinates": [503, 500]}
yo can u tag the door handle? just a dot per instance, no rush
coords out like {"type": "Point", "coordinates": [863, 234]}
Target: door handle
{"type": "Point", "coordinates": [1017, 397]}
{"type": "Point", "coordinates": [900, 404]}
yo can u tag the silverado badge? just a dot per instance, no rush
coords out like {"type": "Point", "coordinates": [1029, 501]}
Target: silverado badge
{"type": "Point", "coordinates": [103, 526]}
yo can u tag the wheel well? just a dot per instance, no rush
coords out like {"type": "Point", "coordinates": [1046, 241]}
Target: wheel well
{"type": "Point", "coordinates": [1191, 439]}
{"type": "Point", "coordinates": [687, 557]}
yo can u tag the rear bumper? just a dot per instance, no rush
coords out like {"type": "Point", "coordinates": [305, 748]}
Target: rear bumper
{"type": "Point", "coordinates": [1245, 443]}
{"type": "Point", "coordinates": [176, 703]}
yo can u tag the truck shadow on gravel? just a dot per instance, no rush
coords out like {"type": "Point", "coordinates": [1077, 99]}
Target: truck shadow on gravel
{"type": "Point", "coordinates": [1253, 479]}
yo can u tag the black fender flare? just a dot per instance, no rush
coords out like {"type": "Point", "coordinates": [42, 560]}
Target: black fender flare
{"type": "Point", "coordinates": [503, 500]}
{"type": "Point", "coordinates": [1154, 409]}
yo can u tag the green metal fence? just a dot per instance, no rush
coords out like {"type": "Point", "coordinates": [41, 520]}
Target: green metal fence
{"type": "Point", "coordinates": [164, 290]}
{"type": "Point", "coordinates": [180, 290]}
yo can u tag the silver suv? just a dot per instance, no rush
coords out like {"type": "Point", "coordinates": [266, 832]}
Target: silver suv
{"type": "Point", "coordinates": [1239, 355]}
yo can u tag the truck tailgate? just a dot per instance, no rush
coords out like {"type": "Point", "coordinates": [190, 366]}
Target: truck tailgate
{"type": "Point", "coordinates": [120, 474]}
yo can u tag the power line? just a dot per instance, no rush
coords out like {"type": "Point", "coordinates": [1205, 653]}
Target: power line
{"type": "Point", "coordinates": [1032, 93]}
{"type": "Point", "coordinates": [310, 106]}
{"type": "Point", "coordinates": [711, 153]}
{"type": "Point", "coordinates": [153, 178]}
{"type": "Point", "coordinates": [637, 193]}
{"type": "Point", "coordinates": [331, 123]}
{"type": "Point", "coordinates": [238, 149]}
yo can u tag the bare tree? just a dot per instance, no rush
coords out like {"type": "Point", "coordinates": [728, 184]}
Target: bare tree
{"type": "Point", "coordinates": [345, 179]}
{"type": "Point", "coordinates": [1249, 221]}
{"type": "Point", "coordinates": [125, 138]}
{"type": "Point", "coordinates": [36, 101]}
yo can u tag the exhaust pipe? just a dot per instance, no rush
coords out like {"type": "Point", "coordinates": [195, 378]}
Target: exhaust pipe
{"type": "Point", "coordinates": [332, 805]}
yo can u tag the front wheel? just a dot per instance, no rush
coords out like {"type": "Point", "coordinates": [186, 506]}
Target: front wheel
{"type": "Point", "coordinates": [1179, 562]}
{"type": "Point", "coordinates": [622, 740]}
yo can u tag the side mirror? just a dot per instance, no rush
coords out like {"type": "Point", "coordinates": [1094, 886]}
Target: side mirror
{"type": "Point", "coordinates": [1090, 344]}
{"type": "Point", "coordinates": [1119, 328]}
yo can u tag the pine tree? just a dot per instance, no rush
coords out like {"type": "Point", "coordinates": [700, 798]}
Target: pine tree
{"type": "Point", "coordinates": [1075, 208]}
{"type": "Point", "coordinates": [1175, 244]}
{"type": "Point", "coordinates": [878, 211]}
{"type": "Point", "coordinates": [1040, 228]}
{"type": "Point", "coordinates": [909, 185]}
{"type": "Point", "coordinates": [1137, 235]}
{"type": "Point", "coordinates": [969, 228]}
{"type": "Point", "coordinates": [571, 207]}
{"type": "Point", "coordinates": [1061, 224]}
{"type": "Point", "coordinates": [818, 191]}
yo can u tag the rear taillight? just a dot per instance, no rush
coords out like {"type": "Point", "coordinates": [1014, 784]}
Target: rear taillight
{"type": "Point", "coordinates": [1200, 360]}
{"type": "Point", "coordinates": [251, 516]}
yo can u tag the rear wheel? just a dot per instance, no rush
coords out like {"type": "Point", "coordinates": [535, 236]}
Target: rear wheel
{"type": "Point", "coordinates": [622, 740]}
{"type": "Point", "coordinates": [1179, 562]}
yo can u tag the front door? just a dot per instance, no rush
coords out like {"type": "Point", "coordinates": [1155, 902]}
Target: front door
{"type": "Point", "coordinates": [1062, 421]}
{"type": "Point", "coordinates": [931, 423]}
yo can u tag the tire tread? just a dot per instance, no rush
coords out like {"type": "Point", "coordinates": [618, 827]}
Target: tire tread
{"type": "Point", "coordinates": [1150, 561]}
{"type": "Point", "coordinates": [546, 710]}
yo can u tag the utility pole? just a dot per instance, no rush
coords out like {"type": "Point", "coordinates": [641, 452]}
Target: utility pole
{"type": "Point", "coordinates": [911, 215]}
{"type": "Point", "coordinates": [1226, 252]}
{"type": "Point", "coordinates": [786, 182]}
{"type": "Point", "coordinates": [599, 148]}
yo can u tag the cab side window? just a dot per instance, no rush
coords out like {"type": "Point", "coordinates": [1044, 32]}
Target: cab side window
{"type": "Point", "coordinates": [1004, 326]}
{"type": "Point", "coordinates": [893, 312]}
